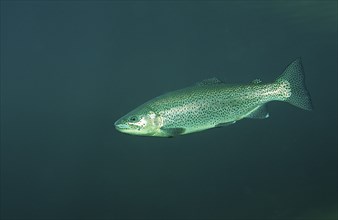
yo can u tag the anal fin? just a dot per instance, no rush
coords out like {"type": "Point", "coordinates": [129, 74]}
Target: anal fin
{"type": "Point", "coordinates": [224, 124]}
{"type": "Point", "coordinates": [260, 112]}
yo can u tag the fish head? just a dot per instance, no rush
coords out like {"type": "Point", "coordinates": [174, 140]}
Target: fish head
{"type": "Point", "coordinates": [141, 121]}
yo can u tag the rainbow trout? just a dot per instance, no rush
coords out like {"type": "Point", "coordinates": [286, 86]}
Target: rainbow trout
{"type": "Point", "coordinates": [212, 103]}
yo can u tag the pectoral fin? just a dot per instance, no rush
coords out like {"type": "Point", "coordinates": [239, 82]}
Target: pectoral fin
{"type": "Point", "coordinates": [172, 132]}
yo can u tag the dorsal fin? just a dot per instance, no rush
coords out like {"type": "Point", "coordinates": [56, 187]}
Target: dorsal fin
{"type": "Point", "coordinates": [256, 81]}
{"type": "Point", "coordinates": [211, 81]}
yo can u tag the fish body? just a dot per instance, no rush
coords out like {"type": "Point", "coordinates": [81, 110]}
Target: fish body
{"type": "Point", "coordinates": [212, 103]}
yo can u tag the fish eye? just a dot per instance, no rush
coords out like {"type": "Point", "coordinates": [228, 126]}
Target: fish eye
{"type": "Point", "coordinates": [133, 118]}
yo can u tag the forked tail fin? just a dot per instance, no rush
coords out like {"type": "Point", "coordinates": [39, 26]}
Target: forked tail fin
{"type": "Point", "coordinates": [294, 76]}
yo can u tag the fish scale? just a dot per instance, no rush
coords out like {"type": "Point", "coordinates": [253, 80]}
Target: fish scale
{"type": "Point", "coordinates": [207, 106]}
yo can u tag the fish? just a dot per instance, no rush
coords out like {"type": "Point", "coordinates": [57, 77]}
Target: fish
{"type": "Point", "coordinates": [212, 103]}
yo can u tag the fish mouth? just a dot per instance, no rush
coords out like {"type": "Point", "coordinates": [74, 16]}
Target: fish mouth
{"type": "Point", "coordinates": [121, 126]}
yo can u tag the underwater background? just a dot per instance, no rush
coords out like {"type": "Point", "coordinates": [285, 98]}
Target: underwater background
{"type": "Point", "coordinates": [70, 69]}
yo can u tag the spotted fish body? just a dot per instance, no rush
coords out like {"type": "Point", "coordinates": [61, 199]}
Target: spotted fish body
{"type": "Point", "coordinates": [212, 103]}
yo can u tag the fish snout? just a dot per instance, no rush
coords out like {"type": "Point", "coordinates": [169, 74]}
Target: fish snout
{"type": "Point", "coordinates": [120, 125]}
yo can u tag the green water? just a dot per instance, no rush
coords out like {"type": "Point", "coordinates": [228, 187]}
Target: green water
{"type": "Point", "coordinates": [70, 69]}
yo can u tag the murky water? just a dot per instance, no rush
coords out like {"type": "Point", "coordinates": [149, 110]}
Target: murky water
{"type": "Point", "coordinates": [70, 69]}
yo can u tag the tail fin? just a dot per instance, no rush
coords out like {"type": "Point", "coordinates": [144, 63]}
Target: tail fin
{"type": "Point", "coordinates": [294, 75]}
